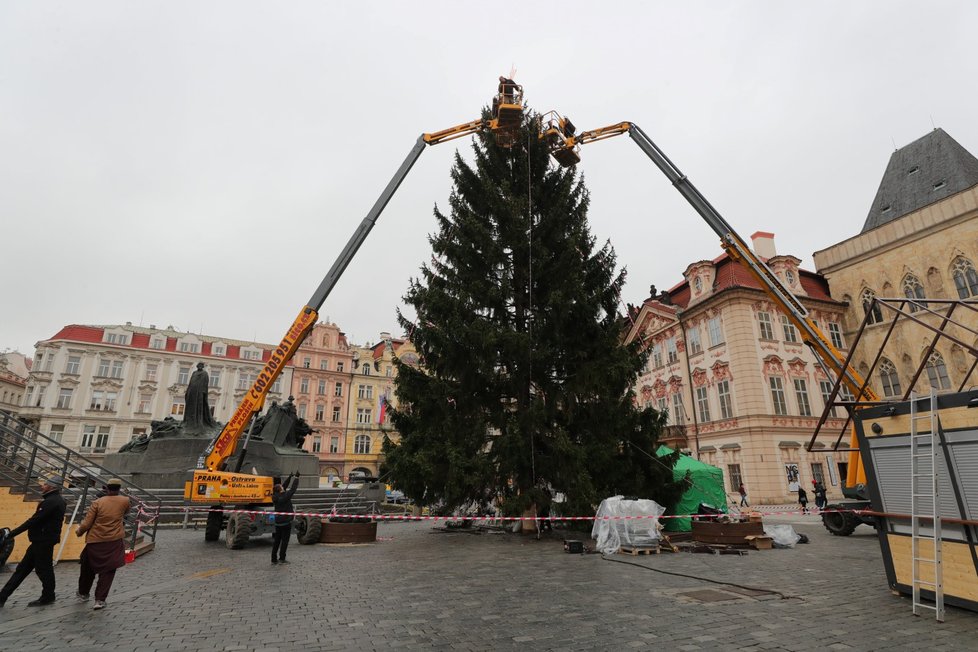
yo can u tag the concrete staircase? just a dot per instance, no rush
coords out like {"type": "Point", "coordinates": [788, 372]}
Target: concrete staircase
{"type": "Point", "coordinates": [27, 455]}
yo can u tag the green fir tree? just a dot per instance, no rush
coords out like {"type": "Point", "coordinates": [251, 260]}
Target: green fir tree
{"type": "Point", "coordinates": [524, 388]}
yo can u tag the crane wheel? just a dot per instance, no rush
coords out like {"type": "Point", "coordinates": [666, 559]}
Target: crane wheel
{"type": "Point", "coordinates": [215, 521]}
{"type": "Point", "coordinates": [239, 529]}
{"type": "Point", "coordinates": [308, 529]}
{"type": "Point", "coordinates": [841, 524]}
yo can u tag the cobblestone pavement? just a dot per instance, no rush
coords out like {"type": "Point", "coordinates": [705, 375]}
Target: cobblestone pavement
{"type": "Point", "coordinates": [421, 589]}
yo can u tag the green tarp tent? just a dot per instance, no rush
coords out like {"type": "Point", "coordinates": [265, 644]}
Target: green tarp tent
{"type": "Point", "coordinates": [705, 486]}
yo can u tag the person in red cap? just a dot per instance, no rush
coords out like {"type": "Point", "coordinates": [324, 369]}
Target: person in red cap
{"type": "Point", "coordinates": [105, 548]}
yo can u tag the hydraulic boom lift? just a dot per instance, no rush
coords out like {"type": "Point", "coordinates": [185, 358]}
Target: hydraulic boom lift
{"type": "Point", "coordinates": [212, 482]}
{"type": "Point", "coordinates": [565, 143]}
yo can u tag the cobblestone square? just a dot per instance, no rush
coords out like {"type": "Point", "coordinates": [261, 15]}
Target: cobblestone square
{"type": "Point", "coordinates": [418, 588]}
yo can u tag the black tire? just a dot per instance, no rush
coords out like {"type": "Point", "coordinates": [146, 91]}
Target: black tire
{"type": "Point", "coordinates": [840, 523]}
{"type": "Point", "coordinates": [215, 523]}
{"type": "Point", "coordinates": [238, 531]}
{"type": "Point", "coordinates": [308, 529]}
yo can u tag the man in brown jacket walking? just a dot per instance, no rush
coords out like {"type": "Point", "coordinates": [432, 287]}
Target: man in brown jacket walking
{"type": "Point", "coordinates": [105, 548]}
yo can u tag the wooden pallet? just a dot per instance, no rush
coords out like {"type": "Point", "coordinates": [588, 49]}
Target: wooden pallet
{"type": "Point", "coordinates": [639, 550]}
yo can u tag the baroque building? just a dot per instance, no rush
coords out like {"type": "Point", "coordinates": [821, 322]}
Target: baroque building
{"type": "Point", "coordinates": [741, 389]}
{"type": "Point", "coordinates": [919, 242]}
{"type": "Point", "coordinates": [14, 369]}
{"type": "Point", "coordinates": [94, 388]}
{"type": "Point", "coordinates": [321, 386]}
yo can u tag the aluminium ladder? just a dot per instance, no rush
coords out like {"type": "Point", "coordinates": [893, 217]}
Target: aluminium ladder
{"type": "Point", "coordinates": [924, 504]}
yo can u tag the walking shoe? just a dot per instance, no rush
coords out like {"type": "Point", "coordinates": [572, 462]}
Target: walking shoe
{"type": "Point", "coordinates": [99, 604]}
{"type": "Point", "coordinates": [82, 596]}
{"type": "Point", "coordinates": [40, 602]}
{"type": "Point", "coordinates": [283, 561]}
{"type": "Point", "coordinates": [274, 561]}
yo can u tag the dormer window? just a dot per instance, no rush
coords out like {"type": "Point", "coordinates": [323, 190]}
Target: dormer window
{"type": "Point", "coordinates": [940, 184]}
{"type": "Point", "coordinates": [157, 342]}
{"type": "Point", "coordinates": [885, 209]}
{"type": "Point", "coordinates": [116, 338]}
{"type": "Point", "coordinates": [914, 170]}
{"type": "Point", "coordinates": [789, 277]}
{"type": "Point", "coordinates": [698, 284]}
{"type": "Point", "coordinates": [219, 350]}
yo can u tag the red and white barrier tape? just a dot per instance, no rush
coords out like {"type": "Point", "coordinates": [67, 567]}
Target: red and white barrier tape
{"type": "Point", "coordinates": [483, 517]}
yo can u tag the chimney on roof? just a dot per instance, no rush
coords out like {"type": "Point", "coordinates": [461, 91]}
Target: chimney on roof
{"type": "Point", "coordinates": [764, 244]}
{"type": "Point", "coordinates": [152, 326]}
{"type": "Point", "coordinates": [128, 323]}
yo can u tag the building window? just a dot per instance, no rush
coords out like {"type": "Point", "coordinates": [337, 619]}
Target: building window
{"type": "Point", "coordinates": [103, 401]}
{"type": "Point", "coordinates": [244, 380]}
{"type": "Point", "coordinates": [672, 353]}
{"type": "Point", "coordinates": [320, 412]}
{"type": "Point", "coordinates": [250, 354]}
{"type": "Point", "coordinates": [826, 388]}
{"type": "Point", "coordinates": [663, 406]}
{"type": "Point", "coordinates": [307, 363]}
{"type": "Point", "coordinates": [339, 366]}
{"type": "Point", "coordinates": [733, 471]}
{"type": "Point", "coordinates": [73, 367]}
{"type": "Point", "coordinates": [116, 338]}
{"type": "Point", "coordinates": [871, 309]}
{"type": "Point", "coordinates": [338, 389]}
{"type": "Point", "coordinates": [656, 355]}
{"type": "Point", "coordinates": [94, 438]}
{"type": "Point", "coordinates": [324, 364]}
{"type": "Point", "coordinates": [703, 404]}
{"type": "Point", "coordinates": [158, 343]}
{"type": "Point", "coordinates": [818, 473]}
{"type": "Point", "coordinates": [363, 415]}
{"type": "Point", "coordinates": [178, 407]}
{"type": "Point", "coordinates": [937, 372]}
{"type": "Point", "coordinates": [64, 398]}
{"type": "Point", "coordinates": [145, 403]}
{"type": "Point", "coordinates": [137, 433]}
{"type": "Point", "coordinates": [801, 395]}
{"type": "Point", "coordinates": [777, 396]}
{"type": "Point", "coordinates": [365, 391]}
{"type": "Point", "coordinates": [336, 414]}
{"type": "Point", "coordinates": [764, 323]}
{"type": "Point", "coordinates": [183, 376]}
{"type": "Point", "coordinates": [117, 366]}
{"type": "Point", "coordinates": [913, 289]}
{"type": "Point", "coordinates": [716, 332]}
{"type": "Point", "coordinates": [103, 368]}
{"type": "Point", "coordinates": [302, 410]}
{"type": "Point", "coordinates": [679, 415]}
{"type": "Point", "coordinates": [835, 333]}
{"type": "Point", "coordinates": [304, 386]}
{"type": "Point", "coordinates": [151, 372]}
{"type": "Point", "coordinates": [334, 444]}
{"type": "Point", "coordinates": [390, 371]}
{"type": "Point", "coordinates": [726, 404]}
{"type": "Point", "coordinates": [317, 444]}
{"type": "Point", "coordinates": [219, 350]}
{"type": "Point", "coordinates": [277, 386]}
{"type": "Point", "coordinates": [965, 278]}
{"type": "Point", "coordinates": [361, 445]}
{"type": "Point", "coordinates": [214, 378]}
{"type": "Point", "coordinates": [57, 432]}
{"type": "Point", "coordinates": [322, 388]}
{"type": "Point", "coordinates": [365, 369]}
{"type": "Point", "coordinates": [189, 347]}
{"type": "Point", "coordinates": [889, 379]}
{"type": "Point", "coordinates": [790, 332]}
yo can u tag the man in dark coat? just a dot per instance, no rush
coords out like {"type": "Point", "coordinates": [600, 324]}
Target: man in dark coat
{"type": "Point", "coordinates": [44, 532]}
{"type": "Point", "coordinates": [282, 501]}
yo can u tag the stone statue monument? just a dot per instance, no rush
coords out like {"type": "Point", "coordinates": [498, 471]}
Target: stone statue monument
{"type": "Point", "coordinates": [197, 416]}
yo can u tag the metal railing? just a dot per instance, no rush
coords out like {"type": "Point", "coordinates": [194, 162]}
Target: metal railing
{"type": "Point", "coordinates": [27, 456]}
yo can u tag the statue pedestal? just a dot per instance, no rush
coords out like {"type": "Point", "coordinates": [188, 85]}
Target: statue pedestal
{"type": "Point", "coordinates": [168, 463]}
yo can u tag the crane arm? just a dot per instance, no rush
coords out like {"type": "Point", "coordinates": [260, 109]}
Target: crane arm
{"type": "Point", "coordinates": [222, 447]}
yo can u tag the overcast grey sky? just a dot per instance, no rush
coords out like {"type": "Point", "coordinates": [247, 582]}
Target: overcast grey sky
{"type": "Point", "coordinates": [202, 164]}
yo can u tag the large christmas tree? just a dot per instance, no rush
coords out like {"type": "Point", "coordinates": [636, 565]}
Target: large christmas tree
{"type": "Point", "coordinates": [525, 387]}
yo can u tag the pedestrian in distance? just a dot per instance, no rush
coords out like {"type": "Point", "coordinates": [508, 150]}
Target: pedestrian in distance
{"type": "Point", "coordinates": [44, 532]}
{"type": "Point", "coordinates": [821, 500]}
{"type": "Point", "coordinates": [282, 502]}
{"type": "Point", "coordinates": [743, 495]}
{"type": "Point", "coordinates": [105, 547]}
{"type": "Point", "coordinates": [803, 500]}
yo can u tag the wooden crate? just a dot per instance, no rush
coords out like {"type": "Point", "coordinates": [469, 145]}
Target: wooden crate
{"type": "Point", "coordinates": [728, 533]}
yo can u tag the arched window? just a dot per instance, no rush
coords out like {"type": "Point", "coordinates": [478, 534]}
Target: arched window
{"type": "Point", "coordinates": [889, 379]}
{"type": "Point", "coordinates": [365, 369]}
{"type": "Point", "coordinates": [361, 445]}
{"type": "Point", "coordinates": [965, 278]}
{"type": "Point", "coordinates": [913, 289]}
{"type": "Point", "coordinates": [870, 308]}
{"type": "Point", "coordinates": [937, 372]}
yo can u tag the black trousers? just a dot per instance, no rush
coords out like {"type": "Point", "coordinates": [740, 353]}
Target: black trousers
{"type": "Point", "coordinates": [39, 558]}
{"type": "Point", "coordinates": [280, 540]}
